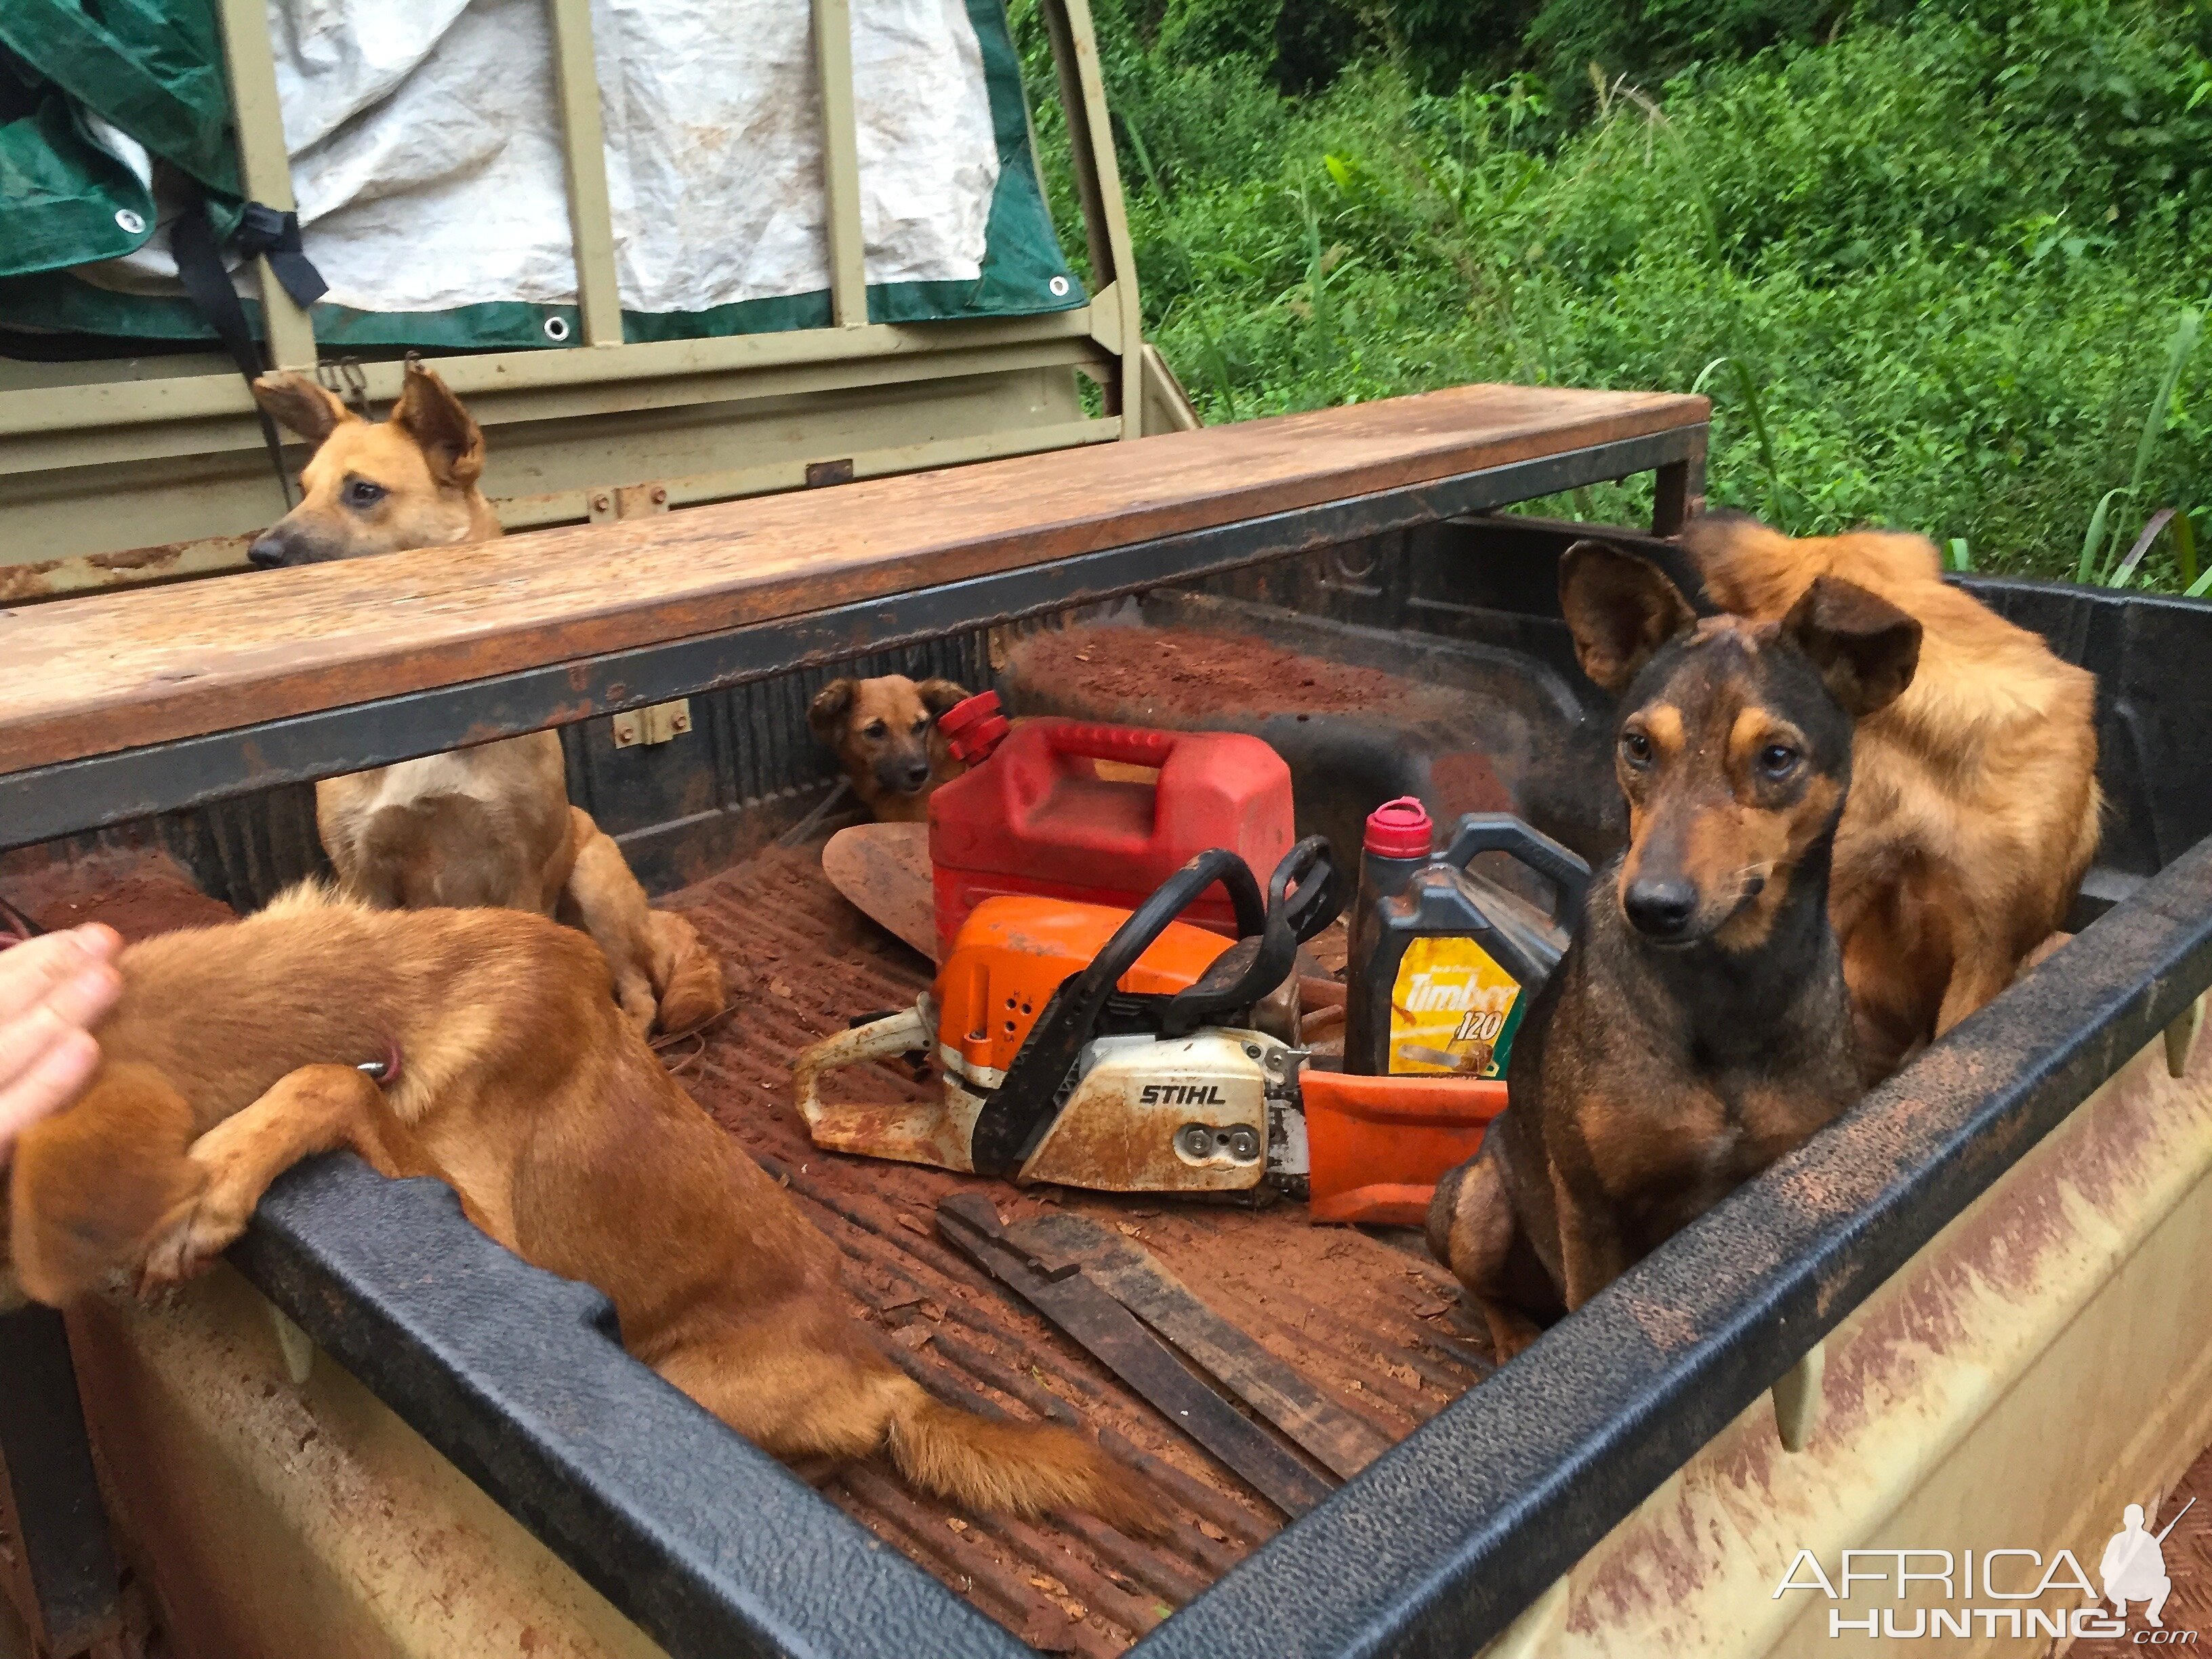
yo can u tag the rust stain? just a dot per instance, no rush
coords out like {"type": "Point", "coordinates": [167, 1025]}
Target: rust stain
{"type": "Point", "coordinates": [48, 579]}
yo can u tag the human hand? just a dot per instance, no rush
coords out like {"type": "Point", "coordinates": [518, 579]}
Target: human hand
{"type": "Point", "coordinates": [52, 989]}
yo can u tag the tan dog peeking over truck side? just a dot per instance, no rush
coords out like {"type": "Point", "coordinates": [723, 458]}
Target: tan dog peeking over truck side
{"type": "Point", "coordinates": [885, 733]}
{"type": "Point", "coordinates": [509, 1074]}
{"type": "Point", "coordinates": [489, 825]}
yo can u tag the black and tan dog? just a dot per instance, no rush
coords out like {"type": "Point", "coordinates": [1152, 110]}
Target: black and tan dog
{"type": "Point", "coordinates": [1697, 1027]}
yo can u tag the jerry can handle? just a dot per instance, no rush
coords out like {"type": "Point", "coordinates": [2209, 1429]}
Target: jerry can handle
{"type": "Point", "coordinates": [1132, 745]}
{"type": "Point", "coordinates": [1501, 832]}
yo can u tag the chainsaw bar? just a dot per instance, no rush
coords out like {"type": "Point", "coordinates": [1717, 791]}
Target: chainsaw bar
{"type": "Point", "coordinates": [1115, 1337]}
{"type": "Point", "coordinates": [1134, 1277]}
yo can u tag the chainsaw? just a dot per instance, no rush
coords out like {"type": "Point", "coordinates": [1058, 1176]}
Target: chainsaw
{"type": "Point", "coordinates": [1121, 1051]}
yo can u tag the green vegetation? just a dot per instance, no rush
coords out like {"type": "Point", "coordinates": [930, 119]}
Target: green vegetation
{"type": "Point", "coordinates": [1939, 268]}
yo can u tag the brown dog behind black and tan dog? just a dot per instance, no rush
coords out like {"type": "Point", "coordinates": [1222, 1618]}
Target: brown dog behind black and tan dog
{"type": "Point", "coordinates": [1697, 1027]}
{"type": "Point", "coordinates": [511, 1075]}
{"type": "Point", "coordinates": [1975, 808]}
{"type": "Point", "coordinates": [486, 825]}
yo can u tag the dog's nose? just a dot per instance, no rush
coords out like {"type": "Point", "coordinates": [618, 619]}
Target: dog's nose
{"type": "Point", "coordinates": [267, 553]}
{"type": "Point", "coordinates": [914, 775]}
{"type": "Point", "coordinates": [1660, 909]}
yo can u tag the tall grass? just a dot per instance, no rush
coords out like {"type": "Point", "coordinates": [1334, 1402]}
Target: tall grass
{"type": "Point", "coordinates": [1929, 271]}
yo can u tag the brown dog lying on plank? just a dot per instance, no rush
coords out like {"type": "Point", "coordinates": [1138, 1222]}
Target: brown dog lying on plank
{"type": "Point", "coordinates": [1974, 807]}
{"type": "Point", "coordinates": [1697, 1027]}
{"type": "Point", "coordinates": [489, 825]}
{"type": "Point", "coordinates": [511, 1076]}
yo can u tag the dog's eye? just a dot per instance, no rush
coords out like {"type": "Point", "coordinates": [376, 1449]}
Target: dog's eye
{"type": "Point", "coordinates": [922, 724]}
{"type": "Point", "coordinates": [360, 492]}
{"type": "Point", "coordinates": [1637, 748]}
{"type": "Point", "coordinates": [1778, 760]}
{"type": "Point", "coordinates": [875, 729]}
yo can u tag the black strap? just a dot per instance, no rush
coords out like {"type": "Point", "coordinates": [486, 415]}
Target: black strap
{"type": "Point", "coordinates": [263, 230]}
{"type": "Point", "coordinates": [207, 284]}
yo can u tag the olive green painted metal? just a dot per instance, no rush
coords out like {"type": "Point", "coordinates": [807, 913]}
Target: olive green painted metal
{"type": "Point", "coordinates": [150, 469]}
{"type": "Point", "coordinates": [584, 156]}
{"type": "Point", "coordinates": [264, 163]}
{"type": "Point", "coordinates": [841, 162]}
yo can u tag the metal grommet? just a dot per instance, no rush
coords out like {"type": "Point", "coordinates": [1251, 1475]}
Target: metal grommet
{"type": "Point", "coordinates": [1059, 286]}
{"type": "Point", "coordinates": [131, 222]}
{"type": "Point", "coordinates": [556, 328]}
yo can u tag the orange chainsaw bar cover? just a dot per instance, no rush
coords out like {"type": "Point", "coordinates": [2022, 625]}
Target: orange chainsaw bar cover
{"type": "Point", "coordinates": [1012, 954]}
{"type": "Point", "coordinates": [1379, 1145]}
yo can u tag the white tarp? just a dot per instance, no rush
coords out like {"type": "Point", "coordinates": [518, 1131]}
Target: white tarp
{"type": "Point", "coordinates": [425, 140]}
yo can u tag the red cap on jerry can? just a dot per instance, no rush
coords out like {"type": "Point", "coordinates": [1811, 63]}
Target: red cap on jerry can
{"type": "Point", "coordinates": [1400, 828]}
{"type": "Point", "coordinates": [974, 728]}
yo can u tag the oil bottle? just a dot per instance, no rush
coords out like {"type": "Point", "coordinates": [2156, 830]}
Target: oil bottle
{"type": "Point", "coordinates": [1443, 960]}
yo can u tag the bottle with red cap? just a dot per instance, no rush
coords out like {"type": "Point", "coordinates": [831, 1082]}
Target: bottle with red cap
{"type": "Point", "coordinates": [1444, 961]}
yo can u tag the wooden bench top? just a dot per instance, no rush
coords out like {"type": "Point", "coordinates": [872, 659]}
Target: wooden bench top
{"type": "Point", "coordinates": [122, 671]}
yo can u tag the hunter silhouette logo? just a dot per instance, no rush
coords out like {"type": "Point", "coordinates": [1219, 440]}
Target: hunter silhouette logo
{"type": "Point", "coordinates": [2020, 1594]}
{"type": "Point", "coordinates": [2134, 1565]}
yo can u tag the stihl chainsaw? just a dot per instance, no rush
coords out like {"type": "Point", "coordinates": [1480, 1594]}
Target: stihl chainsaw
{"type": "Point", "coordinates": [1126, 1051]}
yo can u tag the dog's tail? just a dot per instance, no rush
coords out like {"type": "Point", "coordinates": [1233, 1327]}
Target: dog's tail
{"type": "Point", "coordinates": [1017, 1469]}
{"type": "Point", "coordinates": [686, 978]}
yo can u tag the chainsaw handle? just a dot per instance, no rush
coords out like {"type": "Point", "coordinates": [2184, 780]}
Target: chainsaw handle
{"type": "Point", "coordinates": [1290, 921]}
{"type": "Point", "coordinates": [1501, 832]}
{"type": "Point", "coordinates": [1015, 1118]}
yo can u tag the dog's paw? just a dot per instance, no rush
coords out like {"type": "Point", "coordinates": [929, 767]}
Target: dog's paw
{"type": "Point", "coordinates": [188, 1244]}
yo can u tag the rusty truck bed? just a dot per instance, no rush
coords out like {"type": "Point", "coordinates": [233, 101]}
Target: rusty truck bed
{"type": "Point", "coordinates": [1368, 1318]}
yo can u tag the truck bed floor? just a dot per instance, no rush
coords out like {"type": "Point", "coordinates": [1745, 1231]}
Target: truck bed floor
{"type": "Point", "coordinates": [1367, 1319]}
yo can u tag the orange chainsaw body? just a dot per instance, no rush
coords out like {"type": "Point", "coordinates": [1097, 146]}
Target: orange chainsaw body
{"type": "Point", "coordinates": [1013, 953]}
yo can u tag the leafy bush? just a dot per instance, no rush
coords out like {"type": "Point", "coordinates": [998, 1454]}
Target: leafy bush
{"type": "Point", "coordinates": [1947, 254]}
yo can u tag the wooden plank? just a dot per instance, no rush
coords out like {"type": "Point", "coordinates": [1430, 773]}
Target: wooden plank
{"type": "Point", "coordinates": [1134, 1278]}
{"type": "Point", "coordinates": [1110, 1334]}
{"type": "Point", "coordinates": [111, 671]}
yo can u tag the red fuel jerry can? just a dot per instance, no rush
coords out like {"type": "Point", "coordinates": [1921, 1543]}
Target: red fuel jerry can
{"type": "Point", "coordinates": [1034, 815]}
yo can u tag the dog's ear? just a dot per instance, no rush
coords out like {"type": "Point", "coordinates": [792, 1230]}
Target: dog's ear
{"type": "Point", "coordinates": [939, 697]}
{"type": "Point", "coordinates": [1866, 648]}
{"type": "Point", "coordinates": [826, 714]}
{"type": "Point", "coordinates": [446, 432]}
{"type": "Point", "coordinates": [1621, 608]}
{"type": "Point", "coordinates": [298, 404]}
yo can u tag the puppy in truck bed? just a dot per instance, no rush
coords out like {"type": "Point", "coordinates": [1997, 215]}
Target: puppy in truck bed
{"type": "Point", "coordinates": [508, 1073]}
{"type": "Point", "coordinates": [1697, 1027]}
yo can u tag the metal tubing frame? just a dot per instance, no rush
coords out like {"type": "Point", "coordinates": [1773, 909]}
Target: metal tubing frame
{"type": "Point", "coordinates": [841, 163]}
{"type": "Point", "coordinates": [72, 425]}
{"type": "Point", "coordinates": [45, 802]}
{"type": "Point", "coordinates": [265, 169]}
{"type": "Point", "coordinates": [584, 160]}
